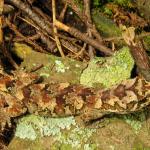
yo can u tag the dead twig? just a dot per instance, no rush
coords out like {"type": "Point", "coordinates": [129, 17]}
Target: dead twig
{"type": "Point", "coordinates": [14, 28]}
{"type": "Point", "coordinates": [83, 16]}
{"type": "Point", "coordinates": [141, 59]}
{"type": "Point", "coordinates": [43, 35]}
{"type": "Point", "coordinates": [137, 51]}
{"type": "Point", "coordinates": [55, 30]}
{"type": "Point", "coordinates": [46, 27]}
{"type": "Point", "coordinates": [89, 23]}
{"type": "Point", "coordinates": [76, 33]}
{"type": "Point", "coordinates": [71, 47]}
{"type": "Point", "coordinates": [81, 51]}
{"type": "Point", "coordinates": [76, 9]}
{"type": "Point", "coordinates": [2, 45]}
{"type": "Point", "coordinates": [34, 16]}
{"type": "Point", "coordinates": [62, 14]}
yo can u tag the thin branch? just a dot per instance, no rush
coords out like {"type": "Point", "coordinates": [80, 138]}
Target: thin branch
{"type": "Point", "coordinates": [33, 15]}
{"type": "Point", "coordinates": [14, 28]}
{"type": "Point", "coordinates": [77, 10]}
{"type": "Point", "coordinates": [138, 52]}
{"type": "Point", "coordinates": [43, 35]}
{"type": "Point", "coordinates": [76, 33]}
{"type": "Point", "coordinates": [46, 27]}
{"type": "Point", "coordinates": [55, 30]}
{"type": "Point", "coordinates": [62, 14]}
{"type": "Point", "coordinates": [89, 23]}
{"type": "Point", "coordinates": [81, 51]}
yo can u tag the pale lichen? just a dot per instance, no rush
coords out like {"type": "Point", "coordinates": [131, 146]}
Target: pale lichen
{"type": "Point", "coordinates": [77, 136]}
{"type": "Point", "coordinates": [106, 72]}
{"type": "Point", "coordinates": [65, 132]}
{"type": "Point", "coordinates": [44, 126]}
{"type": "Point", "coordinates": [26, 131]}
{"type": "Point", "coordinates": [60, 67]}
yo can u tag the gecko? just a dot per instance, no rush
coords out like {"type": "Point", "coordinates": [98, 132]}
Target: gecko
{"type": "Point", "coordinates": [23, 93]}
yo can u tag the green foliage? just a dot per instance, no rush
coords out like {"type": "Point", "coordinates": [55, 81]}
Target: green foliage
{"type": "Point", "coordinates": [107, 11]}
{"type": "Point", "coordinates": [96, 3]}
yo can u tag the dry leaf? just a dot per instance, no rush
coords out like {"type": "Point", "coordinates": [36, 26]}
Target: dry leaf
{"type": "Point", "coordinates": [128, 35]}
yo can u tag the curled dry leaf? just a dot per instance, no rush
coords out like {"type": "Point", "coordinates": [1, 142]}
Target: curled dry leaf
{"type": "Point", "coordinates": [128, 34]}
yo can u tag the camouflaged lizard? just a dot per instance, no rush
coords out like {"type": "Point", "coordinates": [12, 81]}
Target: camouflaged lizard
{"type": "Point", "coordinates": [22, 94]}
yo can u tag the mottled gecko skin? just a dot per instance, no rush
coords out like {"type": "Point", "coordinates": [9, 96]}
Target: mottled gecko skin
{"type": "Point", "coordinates": [20, 95]}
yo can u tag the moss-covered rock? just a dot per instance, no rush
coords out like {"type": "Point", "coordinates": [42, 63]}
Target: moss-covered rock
{"type": "Point", "coordinates": [106, 72]}
{"type": "Point", "coordinates": [105, 26]}
{"type": "Point", "coordinates": [55, 69]}
{"type": "Point", "coordinates": [42, 133]}
{"type": "Point", "coordinates": [63, 132]}
{"type": "Point", "coordinates": [66, 134]}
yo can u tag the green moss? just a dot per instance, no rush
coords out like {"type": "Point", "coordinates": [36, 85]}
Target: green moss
{"type": "Point", "coordinates": [108, 71]}
{"type": "Point", "coordinates": [105, 26]}
{"type": "Point", "coordinates": [55, 69]}
{"type": "Point", "coordinates": [77, 136]}
{"type": "Point", "coordinates": [140, 146]}
{"type": "Point", "coordinates": [108, 11]}
{"type": "Point", "coordinates": [22, 50]}
{"type": "Point", "coordinates": [125, 3]}
{"type": "Point", "coordinates": [147, 42]}
{"type": "Point", "coordinates": [96, 3]}
{"type": "Point", "coordinates": [135, 120]}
